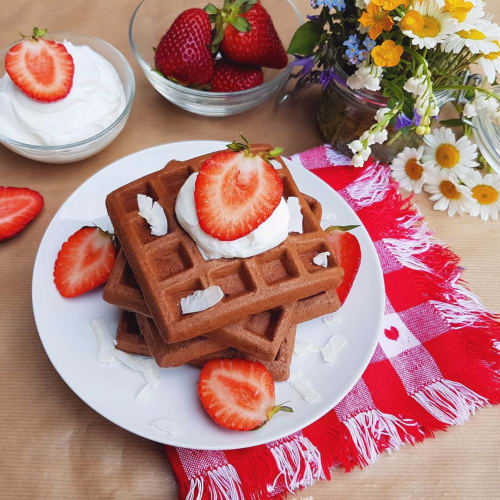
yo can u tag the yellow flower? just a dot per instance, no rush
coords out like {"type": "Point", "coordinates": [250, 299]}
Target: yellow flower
{"type": "Point", "coordinates": [458, 9]}
{"type": "Point", "coordinates": [413, 21]}
{"type": "Point", "coordinates": [493, 55]}
{"type": "Point", "coordinates": [390, 4]}
{"type": "Point", "coordinates": [388, 54]}
{"type": "Point", "coordinates": [376, 20]}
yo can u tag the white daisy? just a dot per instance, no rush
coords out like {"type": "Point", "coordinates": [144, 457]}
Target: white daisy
{"type": "Point", "coordinates": [442, 150]}
{"type": "Point", "coordinates": [485, 195]}
{"type": "Point", "coordinates": [471, 18]}
{"type": "Point", "coordinates": [448, 194]}
{"type": "Point", "coordinates": [438, 25]}
{"type": "Point", "coordinates": [479, 40]}
{"type": "Point", "coordinates": [491, 64]}
{"type": "Point", "coordinates": [408, 170]}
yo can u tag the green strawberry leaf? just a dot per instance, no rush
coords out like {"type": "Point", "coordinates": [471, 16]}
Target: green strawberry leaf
{"type": "Point", "coordinates": [211, 9]}
{"type": "Point", "coordinates": [240, 23]}
{"type": "Point", "coordinates": [306, 38]}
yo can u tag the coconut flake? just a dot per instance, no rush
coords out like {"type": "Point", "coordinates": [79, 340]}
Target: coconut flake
{"type": "Point", "coordinates": [332, 348]}
{"type": "Point", "coordinates": [321, 259]}
{"type": "Point", "coordinates": [144, 365]}
{"type": "Point", "coordinates": [303, 386]}
{"type": "Point", "coordinates": [105, 340]}
{"type": "Point", "coordinates": [201, 300]}
{"type": "Point", "coordinates": [331, 320]}
{"type": "Point", "coordinates": [154, 214]}
{"type": "Point", "coordinates": [295, 223]}
{"type": "Point", "coordinates": [303, 347]}
{"type": "Point", "coordinates": [165, 426]}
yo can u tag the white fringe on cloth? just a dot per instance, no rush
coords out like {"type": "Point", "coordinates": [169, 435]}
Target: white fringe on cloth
{"type": "Point", "coordinates": [461, 307]}
{"type": "Point", "coordinates": [450, 402]}
{"type": "Point", "coordinates": [299, 463]}
{"type": "Point", "coordinates": [371, 187]}
{"type": "Point", "coordinates": [368, 427]}
{"type": "Point", "coordinates": [223, 483]}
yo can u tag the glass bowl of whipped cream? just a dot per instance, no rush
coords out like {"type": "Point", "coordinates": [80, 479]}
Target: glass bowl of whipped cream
{"type": "Point", "coordinates": [152, 18]}
{"type": "Point", "coordinates": [81, 124]}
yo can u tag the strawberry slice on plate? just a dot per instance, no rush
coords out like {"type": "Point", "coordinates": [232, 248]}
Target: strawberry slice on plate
{"type": "Point", "coordinates": [18, 207]}
{"type": "Point", "coordinates": [236, 191]}
{"type": "Point", "coordinates": [348, 252]}
{"type": "Point", "coordinates": [238, 394]}
{"type": "Point", "coordinates": [42, 69]}
{"type": "Point", "coordinates": [84, 261]}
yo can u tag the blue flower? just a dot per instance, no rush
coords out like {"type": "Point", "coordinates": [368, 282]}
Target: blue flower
{"type": "Point", "coordinates": [338, 5]}
{"type": "Point", "coordinates": [369, 43]}
{"type": "Point", "coordinates": [352, 41]}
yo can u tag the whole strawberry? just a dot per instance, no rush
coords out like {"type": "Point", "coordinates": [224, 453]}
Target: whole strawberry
{"type": "Point", "coordinates": [249, 36]}
{"type": "Point", "coordinates": [230, 77]}
{"type": "Point", "coordinates": [184, 53]}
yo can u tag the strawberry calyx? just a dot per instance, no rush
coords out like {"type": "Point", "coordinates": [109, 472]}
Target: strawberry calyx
{"type": "Point", "coordinates": [36, 35]}
{"type": "Point", "coordinates": [342, 228]}
{"type": "Point", "coordinates": [272, 411]}
{"type": "Point", "coordinates": [245, 148]}
{"type": "Point", "coordinates": [230, 14]}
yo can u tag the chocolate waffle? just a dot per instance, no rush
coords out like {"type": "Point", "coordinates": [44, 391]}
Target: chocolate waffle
{"type": "Point", "coordinates": [130, 339]}
{"type": "Point", "coordinates": [260, 334]}
{"type": "Point", "coordinates": [170, 267]}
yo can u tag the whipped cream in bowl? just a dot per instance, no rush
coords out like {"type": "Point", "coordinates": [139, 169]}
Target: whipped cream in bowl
{"type": "Point", "coordinates": [81, 124]}
{"type": "Point", "coordinates": [269, 234]}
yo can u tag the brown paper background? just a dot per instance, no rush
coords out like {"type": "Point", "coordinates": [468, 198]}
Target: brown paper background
{"type": "Point", "coordinates": [55, 446]}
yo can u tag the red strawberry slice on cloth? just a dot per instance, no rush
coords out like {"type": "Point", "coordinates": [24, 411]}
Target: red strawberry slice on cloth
{"type": "Point", "coordinates": [183, 53]}
{"type": "Point", "coordinates": [229, 77]}
{"type": "Point", "coordinates": [42, 69]}
{"type": "Point", "coordinates": [18, 207]}
{"type": "Point", "coordinates": [238, 394]}
{"type": "Point", "coordinates": [348, 253]}
{"type": "Point", "coordinates": [247, 35]}
{"type": "Point", "coordinates": [84, 261]}
{"type": "Point", "coordinates": [236, 191]}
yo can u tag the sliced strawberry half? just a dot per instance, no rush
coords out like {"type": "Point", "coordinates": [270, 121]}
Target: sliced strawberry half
{"type": "Point", "coordinates": [235, 192]}
{"type": "Point", "coordinates": [348, 252]}
{"type": "Point", "coordinates": [84, 261]}
{"type": "Point", "coordinates": [238, 394]}
{"type": "Point", "coordinates": [18, 207]}
{"type": "Point", "coordinates": [42, 69]}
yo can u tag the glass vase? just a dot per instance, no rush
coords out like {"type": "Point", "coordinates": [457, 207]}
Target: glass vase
{"type": "Point", "coordinates": [344, 114]}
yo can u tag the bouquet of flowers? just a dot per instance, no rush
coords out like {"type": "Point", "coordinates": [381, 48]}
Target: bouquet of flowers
{"type": "Point", "coordinates": [408, 50]}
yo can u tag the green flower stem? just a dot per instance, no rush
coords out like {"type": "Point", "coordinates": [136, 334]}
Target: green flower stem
{"type": "Point", "coordinates": [469, 88]}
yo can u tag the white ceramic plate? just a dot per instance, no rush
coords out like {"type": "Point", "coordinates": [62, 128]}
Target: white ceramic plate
{"type": "Point", "coordinates": [63, 324]}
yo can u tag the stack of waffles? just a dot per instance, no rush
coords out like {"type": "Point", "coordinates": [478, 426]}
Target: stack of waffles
{"type": "Point", "coordinates": [265, 296]}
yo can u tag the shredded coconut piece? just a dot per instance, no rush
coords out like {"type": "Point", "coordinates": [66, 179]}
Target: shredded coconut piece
{"type": "Point", "coordinates": [305, 347]}
{"type": "Point", "coordinates": [331, 319]}
{"type": "Point", "coordinates": [147, 367]}
{"type": "Point", "coordinates": [295, 223]}
{"type": "Point", "coordinates": [154, 214]}
{"type": "Point", "coordinates": [303, 386]}
{"type": "Point", "coordinates": [164, 425]}
{"type": "Point", "coordinates": [105, 340]}
{"type": "Point", "coordinates": [332, 348]}
{"type": "Point", "coordinates": [321, 259]}
{"type": "Point", "coordinates": [201, 300]}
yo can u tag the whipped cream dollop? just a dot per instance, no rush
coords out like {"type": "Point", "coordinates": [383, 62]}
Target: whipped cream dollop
{"type": "Point", "coordinates": [268, 235]}
{"type": "Point", "coordinates": [94, 102]}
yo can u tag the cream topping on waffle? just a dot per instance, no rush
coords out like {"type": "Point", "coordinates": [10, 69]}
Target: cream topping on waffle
{"type": "Point", "coordinates": [268, 235]}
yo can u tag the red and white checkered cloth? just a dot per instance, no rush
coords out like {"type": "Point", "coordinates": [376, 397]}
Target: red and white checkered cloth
{"type": "Point", "coordinates": [435, 365]}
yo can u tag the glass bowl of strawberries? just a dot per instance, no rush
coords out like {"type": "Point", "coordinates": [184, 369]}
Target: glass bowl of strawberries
{"type": "Point", "coordinates": [214, 59]}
